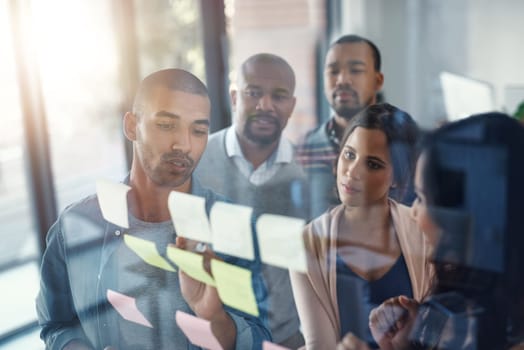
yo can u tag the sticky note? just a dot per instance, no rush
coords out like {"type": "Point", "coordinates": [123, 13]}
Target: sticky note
{"type": "Point", "coordinates": [191, 263]}
{"type": "Point", "coordinates": [126, 307]}
{"type": "Point", "coordinates": [280, 241]}
{"type": "Point", "coordinates": [197, 330]}
{"type": "Point", "coordinates": [231, 227]}
{"type": "Point", "coordinates": [112, 198]}
{"type": "Point", "coordinates": [234, 286]}
{"type": "Point", "coordinates": [189, 216]}
{"type": "Point", "coordinates": [147, 251]}
{"type": "Point", "coordinates": [267, 345]}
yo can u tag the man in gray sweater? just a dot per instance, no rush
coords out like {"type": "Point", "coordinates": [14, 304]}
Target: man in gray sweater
{"type": "Point", "coordinates": [252, 164]}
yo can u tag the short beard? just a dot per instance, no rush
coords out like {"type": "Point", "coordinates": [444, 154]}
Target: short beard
{"type": "Point", "coordinates": [262, 140]}
{"type": "Point", "coordinates": [348, 113]}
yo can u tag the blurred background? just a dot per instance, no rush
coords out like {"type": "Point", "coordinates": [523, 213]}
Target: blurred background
{"type": "Point", "coordinates": [69, 69]}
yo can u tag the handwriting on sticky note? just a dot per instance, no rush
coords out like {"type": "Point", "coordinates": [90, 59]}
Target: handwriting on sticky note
{"type": "Point", "coordinates": [126, 307]}
{"type": "Point", "coordinates": [266, 345]}
{"type": "Point", "coordinates": [197, 330]}
{"type": "Point", "coordinates": [272, 230]}
{"type": "Point", "coordinates": [231, 227]}
{"type": "Point", "coordinates": [147, 251]}
{"type": "Point", "coordinates": [112, 198]}
{"type": "Point", "coordinates": [189, 216]}
{"type": "Point", "coordinates": [191, 263]}
{"type": "Point", "coordinates": [234, 286]}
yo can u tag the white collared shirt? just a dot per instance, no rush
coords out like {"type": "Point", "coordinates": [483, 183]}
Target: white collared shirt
{"type": "Point", "coordinates": [282, 155]}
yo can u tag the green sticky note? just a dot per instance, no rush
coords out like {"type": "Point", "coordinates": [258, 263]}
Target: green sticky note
{"type": "Point", "coordinates": [191, 263]}
{"type": "Point", "coordinates": [147, 251]}
{"type": "Point", "coordinates": [234, 286]}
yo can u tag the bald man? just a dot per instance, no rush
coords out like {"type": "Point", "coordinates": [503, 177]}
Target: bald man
{"type": "Point", "coordinates": [86, 261]}
{"type": "Point", "coordinates": [252, 164]}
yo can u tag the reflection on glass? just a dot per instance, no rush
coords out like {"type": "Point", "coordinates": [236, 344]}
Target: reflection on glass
{"type": "Point", "coordinates": [170, 35]}
{"type": "Point", "coordinates": [17, 296]}
{"type": "Point", "coordinates": [17, 231]}
{"type": "Point", "coordinates": [78, 65]}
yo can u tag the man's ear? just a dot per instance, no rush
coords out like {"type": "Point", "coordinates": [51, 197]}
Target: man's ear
{"type": "Point", "coordinates": [379, 80]}
{"type": "Point", "coordinates": [130, 126]}
{"type": "Point", "coordinates": [233, 95]}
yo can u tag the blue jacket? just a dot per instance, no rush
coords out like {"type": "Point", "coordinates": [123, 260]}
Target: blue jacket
{"type": "Point", "coordinates": [72, 301]}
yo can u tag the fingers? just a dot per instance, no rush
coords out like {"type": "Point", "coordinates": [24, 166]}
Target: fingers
{"type": "Point", "coordinates": [199, 248]}
{"type": "Point", "coordinates": [191, 245]}
{"type": "Point", "coordinates": [180, 242]}
{"type": "Point", "coordinates": [387, 319]}
{"type": "Point", "coordinates": [410, 305]}
{"type": "Point", "coordinates": [352, 342]}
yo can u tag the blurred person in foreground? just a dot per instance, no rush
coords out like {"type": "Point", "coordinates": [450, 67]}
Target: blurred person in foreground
{"type": "Point", "coordinates": [469, 192]}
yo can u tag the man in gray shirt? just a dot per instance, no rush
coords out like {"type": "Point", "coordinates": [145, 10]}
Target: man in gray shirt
{"type": "Point", "coordinates": [252, 164]}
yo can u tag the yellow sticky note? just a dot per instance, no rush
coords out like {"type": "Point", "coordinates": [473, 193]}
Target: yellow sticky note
{"type": "Point", "coordinates": [147, 251]}
{"type": "Point", "coordinates": [191, 263]}
{"type": "Point", "coordinates": [234, 286]}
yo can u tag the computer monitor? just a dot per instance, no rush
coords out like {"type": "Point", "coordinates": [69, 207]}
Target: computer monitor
{"type": "Point", "coordinates": [464, 96]}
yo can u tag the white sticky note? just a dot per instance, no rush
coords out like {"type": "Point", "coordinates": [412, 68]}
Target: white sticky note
{"type": "Point", "coordinates": [112, 198]}
{"type": "Point", "coordinates": [189, 216]}
{"type": "Point", "coordinates": [231, 227]}
{"type": "Point", "coordinates": [280, 241]}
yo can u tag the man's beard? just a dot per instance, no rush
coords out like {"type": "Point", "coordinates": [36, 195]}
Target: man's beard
{"type": "Point", "coordinates": [160, 173]}
{"type": "Point", "coordinates": [262, 140]}
{"type": "Point", "coordinates": [348, 112]}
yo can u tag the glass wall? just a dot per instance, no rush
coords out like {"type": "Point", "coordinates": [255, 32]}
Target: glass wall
{"type": "Point", "coordinates": [169, 34]}
{"type": "Point", "coordinates": [78, 62]}
{"type": "Point", "coordinates": [19, 249]}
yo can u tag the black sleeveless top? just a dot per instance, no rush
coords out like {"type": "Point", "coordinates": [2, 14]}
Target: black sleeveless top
{"type": "Point", "coordinates": [357, 297]}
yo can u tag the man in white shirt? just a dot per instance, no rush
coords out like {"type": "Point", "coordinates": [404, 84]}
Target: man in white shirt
{"type": "Point", "coordinates": [252, 164]}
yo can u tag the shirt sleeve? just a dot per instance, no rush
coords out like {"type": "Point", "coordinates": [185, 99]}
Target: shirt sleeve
{"type": "Point", "coordinates": [54, 305]}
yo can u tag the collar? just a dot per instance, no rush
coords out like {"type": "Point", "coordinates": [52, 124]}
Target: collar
{"type": "Point", "coordinates": [282, 154]}
{"type": "Point", "coordinates": [331, 134]}
{"type": "Point", "coordinates": [196, 187]}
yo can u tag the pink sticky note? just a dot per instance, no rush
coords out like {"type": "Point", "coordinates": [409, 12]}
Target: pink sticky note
{"type": "Point", "coordinates": [197, 330]}
{"type": "Point", "coordinates": [266, 345]}
{"type": "Point", "coordinates": [126, 307]}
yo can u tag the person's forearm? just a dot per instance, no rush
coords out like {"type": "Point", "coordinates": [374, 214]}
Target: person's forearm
{"type": "Point", "coordinates": [224, 330]}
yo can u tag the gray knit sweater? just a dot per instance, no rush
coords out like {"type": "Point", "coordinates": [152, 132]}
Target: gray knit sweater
{"type": "Point", "coordinates": [284, 194]}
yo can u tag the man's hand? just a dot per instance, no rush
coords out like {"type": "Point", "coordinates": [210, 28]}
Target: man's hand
{"type": "Point", "coordinates": [392, 321]}
{"type": "Point", "coordinates": [352, 342]}
{"type": "Point", "coordinates": [203, 299]}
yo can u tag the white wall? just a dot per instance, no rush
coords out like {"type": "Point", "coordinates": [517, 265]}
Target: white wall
{"type": "Point", "coordinates": [482, 39]}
